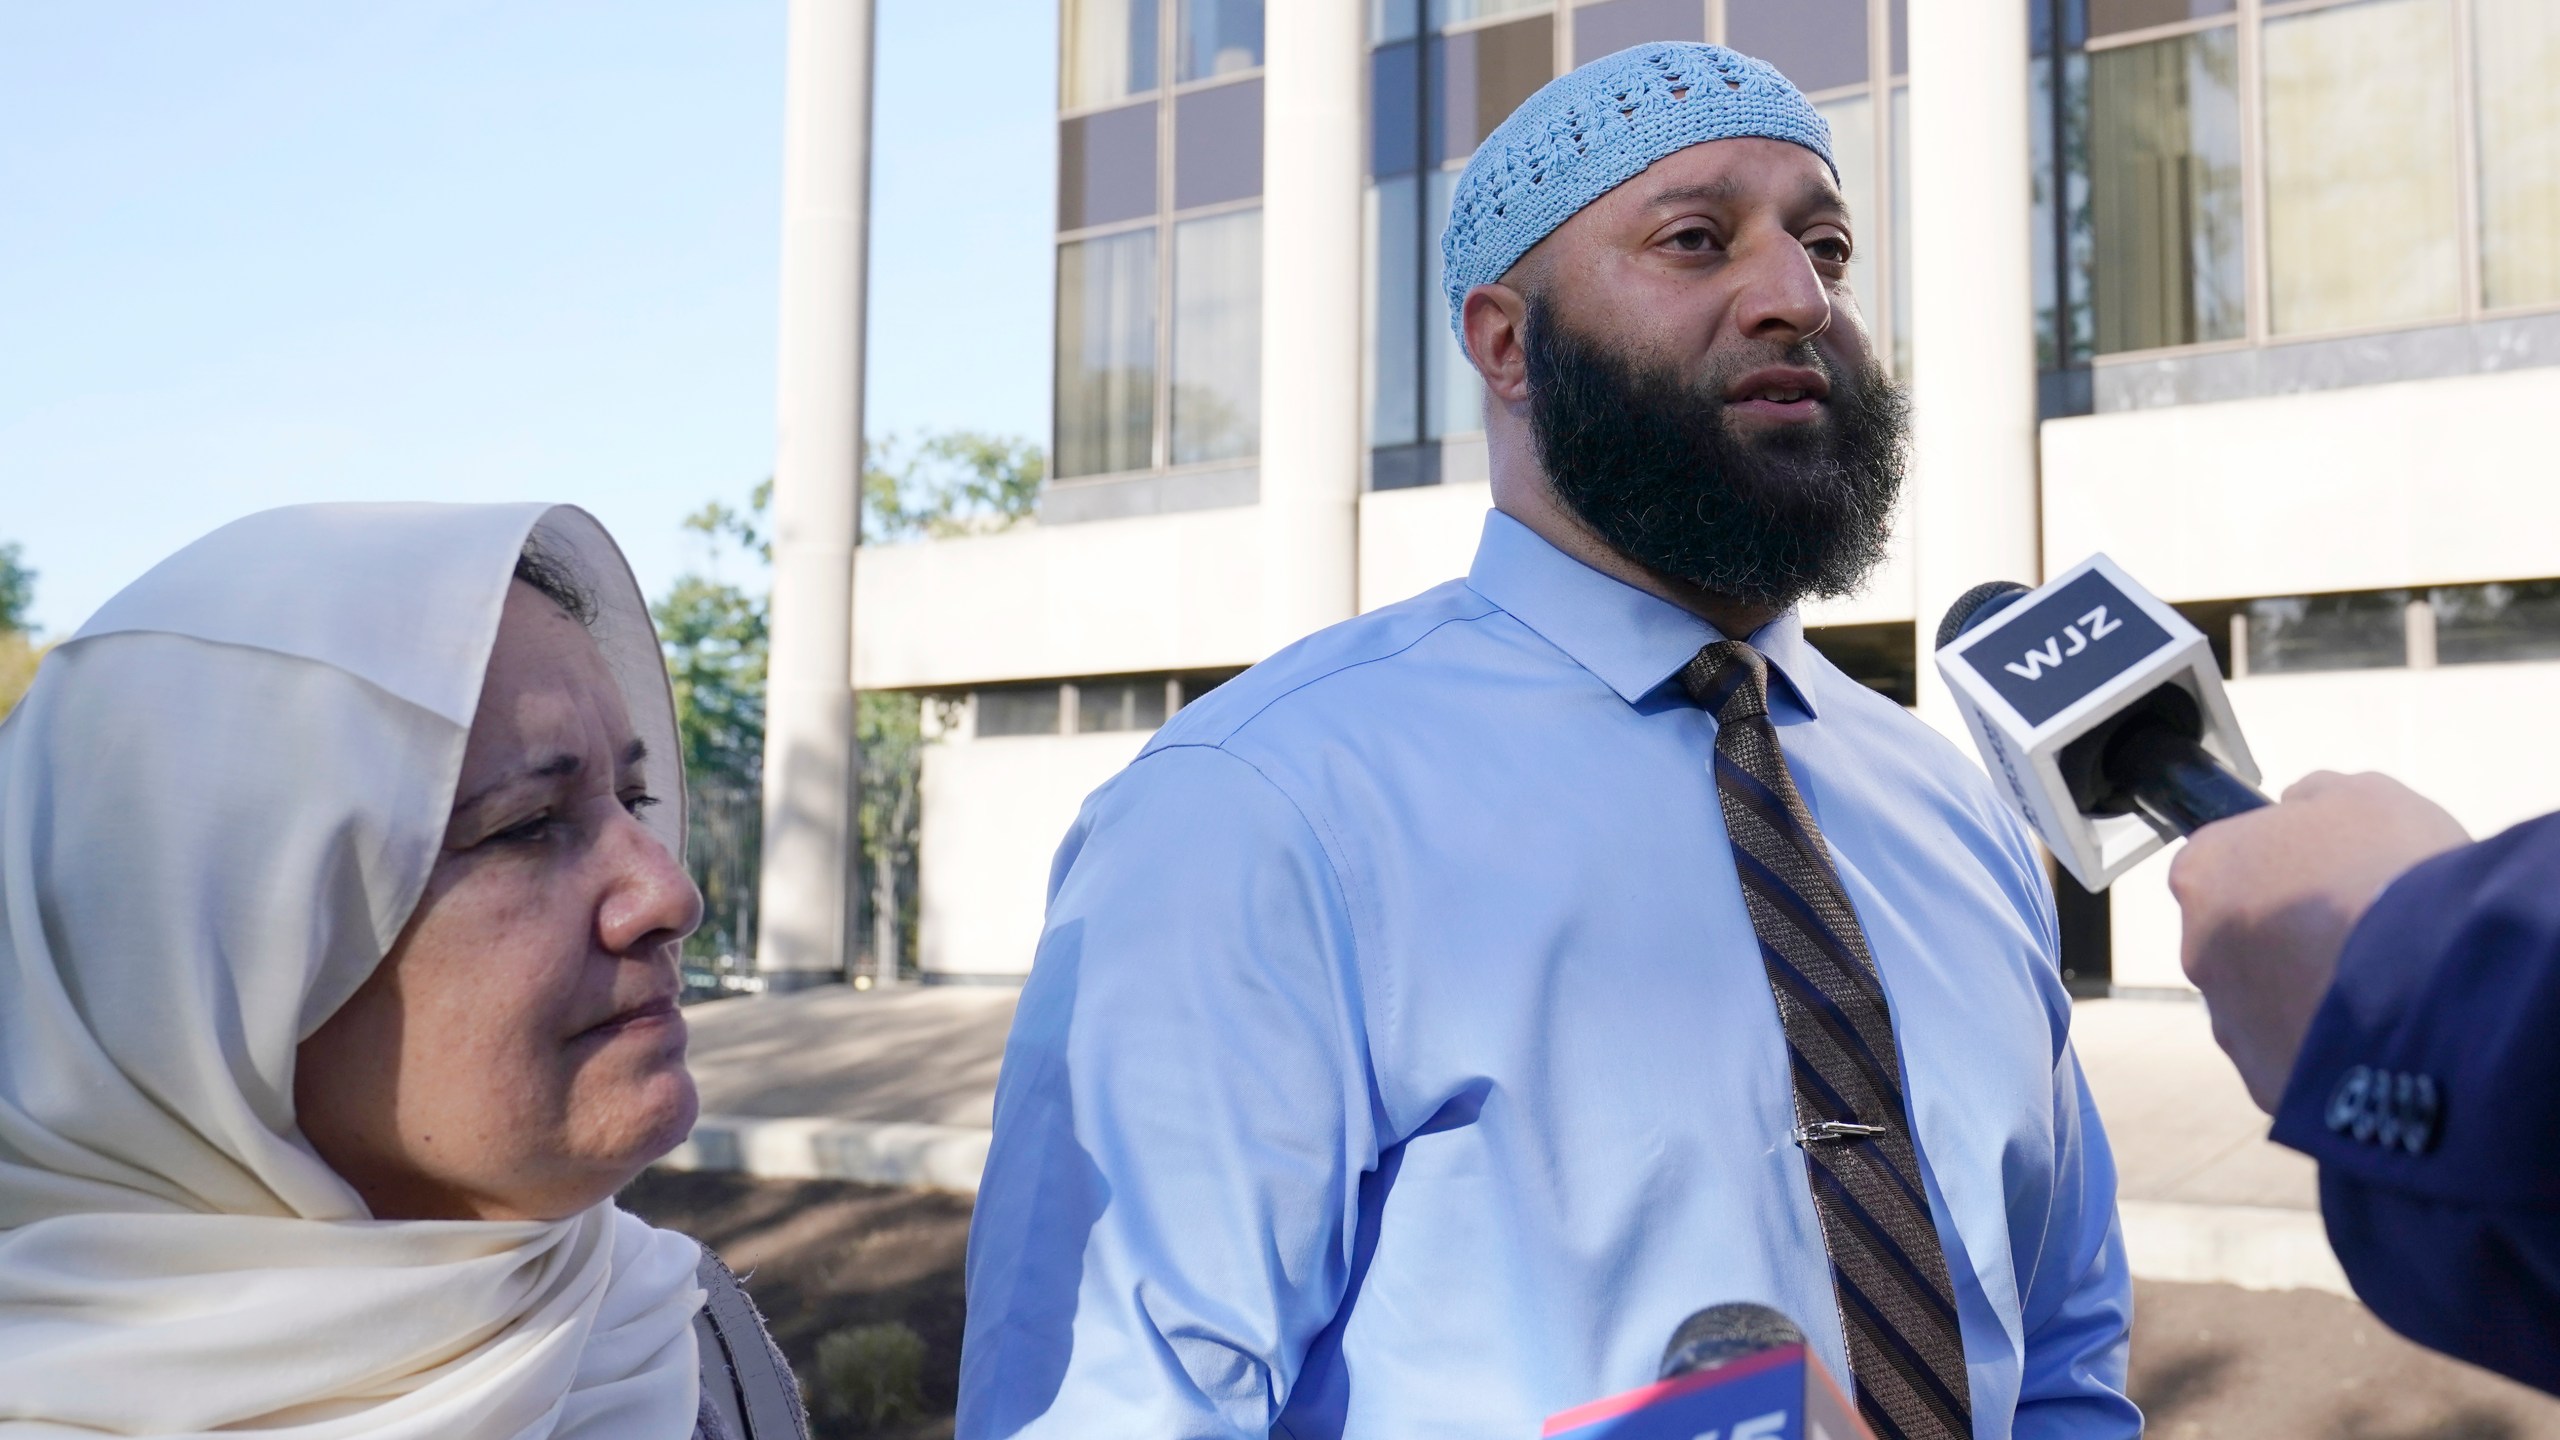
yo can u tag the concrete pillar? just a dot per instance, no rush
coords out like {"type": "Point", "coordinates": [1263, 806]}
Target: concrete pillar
{"type": "Point", "coordinates": [1974, 508]}
{"type": "Point", "coordinates": [806, 895]}
{"type": "Point", "coordinates": [1315, 58]}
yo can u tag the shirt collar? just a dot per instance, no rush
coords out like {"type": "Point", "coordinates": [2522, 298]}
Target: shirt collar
{"type": "Point", "coordinates": [1633, 641]}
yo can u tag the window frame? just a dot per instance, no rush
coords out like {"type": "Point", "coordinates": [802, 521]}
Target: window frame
{"type": "Point", "coordinates": [1167, 95]}
{"type": "Point", "coordinates": [2250, 18]}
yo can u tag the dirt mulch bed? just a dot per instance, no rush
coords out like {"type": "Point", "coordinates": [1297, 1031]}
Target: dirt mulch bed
{"type": "Point", "coordinates": [2210, 1362]}
{"type": "Point", "coordinates": [822, 1255]}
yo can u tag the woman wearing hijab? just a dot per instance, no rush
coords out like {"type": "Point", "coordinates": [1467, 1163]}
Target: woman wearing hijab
{"type": "Point", "coordinates": [339, 907]}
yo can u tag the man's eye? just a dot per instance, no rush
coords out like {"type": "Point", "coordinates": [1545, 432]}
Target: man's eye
{"type": "Point", "coordinates": [1692, 240]}
{"type": "Point", "coordinates": [637, 803]}
{"type": "Point", "coordinates": [1830, 249]}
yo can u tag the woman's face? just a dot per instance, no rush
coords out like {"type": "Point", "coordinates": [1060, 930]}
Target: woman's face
{"type": "Point", "coordinates": [519, 1054]}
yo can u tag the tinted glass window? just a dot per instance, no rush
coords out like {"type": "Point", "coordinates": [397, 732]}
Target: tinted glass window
{"type": "Point", "coordinates": [2164, 180]}
{"type": "Point", "coordinates": [1217, 145]}
{"type": "Point", "coordinates": [1107, 167]}
{"type": "Point", "coordinates": [2363, 631]}
{"type": "Point", "coordinates": [1106, 354]}
{"type": "Point", "coordinates": [1220, 37]}
{"type": "Point", "coordinates": [2476, 623]}
{"type": "Point", "coordinates": [2518, 90]}
{"type": "Point", "coordinates": [1478, 77]}
{"type": "Point", "coordinates": [1458, 12]}
{"type": "Point", "coordinates": [1018, 710]}
{"type": "Point", "coordinates": [1217, 337]}
{"type": "Point", "coordinates": [1613, 25]}
{"type": "Point", "coordinates": [2338, 164]}
{"type": "Point", "coordinates": [1106, 705]}
{"type": "Point", "coordinates": [1108, 51]}
{"type": "Point", "coordinates": [1395, 109]}
{"type": "Point", "coordinates": [2112, 17]}
{"type": "Point", "coordinates": [1396, 312]}
{"type": "Point", "coordinates": [1818, 44]}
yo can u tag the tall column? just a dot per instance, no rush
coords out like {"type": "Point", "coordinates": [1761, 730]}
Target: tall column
{"type": "Point", "coordinates": [1974, 508]}
{"type": "Point", "coordinates": [806, 892]}
{"type": "Point", "coordinates": [1315, 53]}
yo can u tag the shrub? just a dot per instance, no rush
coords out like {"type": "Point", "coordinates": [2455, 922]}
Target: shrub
{"type": "Point", "coordinates": [870, 1375]}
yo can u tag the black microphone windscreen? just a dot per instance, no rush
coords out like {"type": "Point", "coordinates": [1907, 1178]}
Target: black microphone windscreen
{"type": "Point", "coordinates": [1978, 603]}
{"type": "Point", "coordinates": [1724, 1333]}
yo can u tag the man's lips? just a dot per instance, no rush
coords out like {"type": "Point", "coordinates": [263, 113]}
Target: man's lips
{"type": "Point", "coordinates": [1779, 392]}
{"type": "Point", "coordinates": [657, 1010]}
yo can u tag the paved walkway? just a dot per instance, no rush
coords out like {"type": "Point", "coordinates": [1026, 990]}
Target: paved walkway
{"type": "Point", "coordinates": [898, 1087]}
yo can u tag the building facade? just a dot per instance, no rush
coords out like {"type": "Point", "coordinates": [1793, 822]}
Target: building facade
{"type": "Point", "coordinates": [2294, 360]}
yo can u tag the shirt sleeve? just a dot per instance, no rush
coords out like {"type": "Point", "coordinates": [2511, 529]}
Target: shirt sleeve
{"type": "Point", "coordinates": [2076, 1302]}
{"type": "Point", "coordinates": [2429, 1091]}
{"type": "Point", "coordinates": [1184, 1113]}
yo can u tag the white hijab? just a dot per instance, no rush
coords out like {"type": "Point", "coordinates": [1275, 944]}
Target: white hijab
{"type": "Point", "coordinates": [218, 804]}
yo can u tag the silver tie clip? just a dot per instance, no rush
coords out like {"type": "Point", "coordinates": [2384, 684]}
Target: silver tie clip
{"type": "Point", "coordinates": [1832, 1132]}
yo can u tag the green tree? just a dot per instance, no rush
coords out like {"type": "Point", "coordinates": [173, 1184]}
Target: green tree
{"type": "Point", "coordinates": [962, 482]}
{"type": "Point", "coordinates": [19, 652]}
{"type": "Point", "coordinates": [716, 637]}
{"type": "Point", "coordinates": [17, 590]}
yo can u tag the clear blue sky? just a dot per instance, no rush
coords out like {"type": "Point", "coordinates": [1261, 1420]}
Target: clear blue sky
{"type": "Point", "coordinates": [268, 251]}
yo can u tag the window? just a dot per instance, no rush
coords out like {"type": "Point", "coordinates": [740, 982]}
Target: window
{"type": "Point", "coordinates": [1217, 327]}
{"type": "Point", "coordinates": [2113, 17]}
{"type": "Point", "coordinates": [1106, 354]}
{"type": "Point", "coordinates": [1159, 319]}
{"type": "Point", "coordinates": [1459, 12]}
{"type": "Point", "coordinates": [1899, 222]}
{"type": "Point", "coordinates": [1613, 25]}
{"type": "Point", "coordinates": [1452, 401]}
{"type": "Point", "coordinates": [1476, 78]}
{"type": "Point", "coordinates": [2517, 98]}
{"type": "Point", "coordinates": [1107, 167]}
{"type": "Point", "coordinates": [1107, 705]}
{"type": "Point", "coordinates": [1853, 148]}
{"type": "Point", "coordinates": [2297, 168]}
{"type": "Point", "coordinates": [1109, 51]}
{"type": "Point", "coordinates": [1818, 44]}
{"type": "Point", "coordinates": [2164, 120]}
{"type": "Point", "coordinates": [2482, 623]}
{"type": "Point", "coordinates": [1884, 658]}
{"type": "Point", "coordinates": [2364, 204]}
{"type": "Point", "coordinates": [2364, 631]}
{"type": "Point", "coordinates": [1395, 299]}
{"type": "Point", "coordinates": [1017, 710]}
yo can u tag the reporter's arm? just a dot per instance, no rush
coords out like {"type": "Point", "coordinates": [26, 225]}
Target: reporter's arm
{"type": "Point", "coordinates": [2428, 1088]}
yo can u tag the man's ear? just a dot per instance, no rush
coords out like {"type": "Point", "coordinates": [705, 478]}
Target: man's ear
{"type": "Point", "coordinates": [1496, 319]}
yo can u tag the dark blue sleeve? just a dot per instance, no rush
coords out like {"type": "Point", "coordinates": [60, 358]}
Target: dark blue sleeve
{"type": "Point", "coordinates": [2428, 1089]}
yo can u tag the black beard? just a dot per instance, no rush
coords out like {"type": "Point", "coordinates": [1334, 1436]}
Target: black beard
{"type": "Point", "coordinates": [1645, 458]}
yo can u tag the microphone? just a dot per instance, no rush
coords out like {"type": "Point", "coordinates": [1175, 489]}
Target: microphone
{"type": "Point", "coordinates": [1736, 1371]}
{"type": "Point", "coordinates": [2102, 711]}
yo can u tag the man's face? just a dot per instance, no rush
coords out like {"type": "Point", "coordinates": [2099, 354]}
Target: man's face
{"type": "Point", "coordinates": [1701, 386]}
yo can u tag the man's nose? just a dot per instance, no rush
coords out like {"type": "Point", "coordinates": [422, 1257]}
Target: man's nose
{"type": "Point", "coordinates": [1782, 297]}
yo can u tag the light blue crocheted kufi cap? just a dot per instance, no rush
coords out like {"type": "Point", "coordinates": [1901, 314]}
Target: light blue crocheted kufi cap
{"type": "Point", "coordinates": [1588, 132]}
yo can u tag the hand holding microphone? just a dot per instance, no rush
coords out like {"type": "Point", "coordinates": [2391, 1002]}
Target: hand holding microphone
{"type": "Point", "coordinates": [2269, 897]}
{"type": "Point", "coordinates": [2100, 706]}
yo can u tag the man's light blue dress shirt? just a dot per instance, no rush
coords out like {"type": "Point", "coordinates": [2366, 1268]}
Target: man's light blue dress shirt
{"type": "Point", "coordinates": [1398, 1060]}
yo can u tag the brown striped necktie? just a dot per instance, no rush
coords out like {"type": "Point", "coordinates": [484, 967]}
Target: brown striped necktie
{"type": "Point", "coordinates": [1888, 1271]}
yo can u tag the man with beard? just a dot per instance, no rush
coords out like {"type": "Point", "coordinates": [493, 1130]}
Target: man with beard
{"type": "Point", "coordinates": [1432, 1017]}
